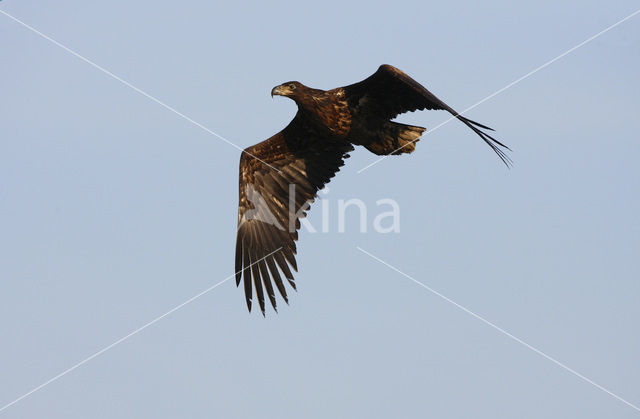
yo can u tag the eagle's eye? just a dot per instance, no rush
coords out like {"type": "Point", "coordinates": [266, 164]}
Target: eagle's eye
{"type": "Point", "coordinates": [292, 86]}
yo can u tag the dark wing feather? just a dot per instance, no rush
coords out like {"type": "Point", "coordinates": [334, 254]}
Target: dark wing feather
{"type": "Point", "coordinates": [389, 92]}
{"type": "Point", "coordinates": [270, 172]}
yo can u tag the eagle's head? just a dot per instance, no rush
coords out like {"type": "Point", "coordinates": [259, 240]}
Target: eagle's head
{"type": "Point", "coordinates": [290, 89]}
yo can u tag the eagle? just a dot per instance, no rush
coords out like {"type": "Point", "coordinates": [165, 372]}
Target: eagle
{"type": "Point", "coordinates": [280, 177]}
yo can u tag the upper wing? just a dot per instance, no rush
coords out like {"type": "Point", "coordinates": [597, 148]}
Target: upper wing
{"type": "Point", "coordinates": [389, 92]}
{"type": "Point", "coordinates": [279, 178]}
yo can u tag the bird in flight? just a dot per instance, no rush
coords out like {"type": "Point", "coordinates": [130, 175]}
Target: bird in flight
{"type": "Point", "coordinates": [280, 177]}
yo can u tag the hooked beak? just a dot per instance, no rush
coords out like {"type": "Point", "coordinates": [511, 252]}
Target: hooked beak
{"type": "Point", "coordinates": [280, 91]}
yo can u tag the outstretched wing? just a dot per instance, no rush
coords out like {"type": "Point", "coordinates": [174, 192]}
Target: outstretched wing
{"type": "Point", "coordinates": [389, 92]}
{"type": "Point", "coordinates": [279, 178]}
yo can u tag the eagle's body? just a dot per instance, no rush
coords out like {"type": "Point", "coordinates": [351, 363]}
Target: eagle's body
{"type": "Point", "coordinates": [280, 177]}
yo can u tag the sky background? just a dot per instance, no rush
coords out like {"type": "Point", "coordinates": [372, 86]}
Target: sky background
{"type": "Point", "coordinates": [113, 210]}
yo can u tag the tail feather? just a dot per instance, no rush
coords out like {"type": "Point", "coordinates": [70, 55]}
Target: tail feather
{"type": "Point", "coordinates": [395, 138]}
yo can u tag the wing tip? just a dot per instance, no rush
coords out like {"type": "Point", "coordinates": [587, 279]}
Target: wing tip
{"type": "Point", "coordinates": [491, 142]}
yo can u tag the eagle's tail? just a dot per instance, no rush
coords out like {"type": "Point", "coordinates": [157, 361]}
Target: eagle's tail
{"type": "Point", "coordinates": [395, 138]}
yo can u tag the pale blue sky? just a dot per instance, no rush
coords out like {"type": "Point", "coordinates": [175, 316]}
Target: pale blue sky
{"type": "Point", "coordinates": [114, 210]}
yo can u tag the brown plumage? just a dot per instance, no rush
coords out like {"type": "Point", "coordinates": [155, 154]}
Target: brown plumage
{"type": "Point", "coordinates": [279, 177]}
